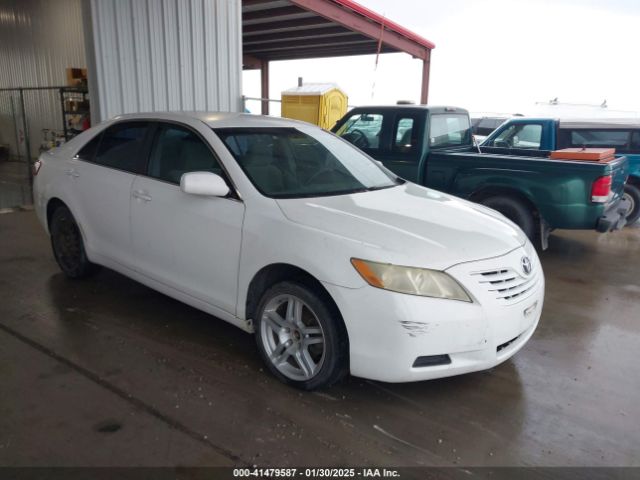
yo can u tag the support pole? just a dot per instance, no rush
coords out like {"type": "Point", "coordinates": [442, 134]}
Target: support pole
{"type": "Point", "coordinates": [64, 117]}
{"type": "Point", "coordinates": [426, 66]}
{"type": "Point", "coordinates": [264, 83]}
{"type": "Point", "coordinates": [15, 126]}
{"type": "Point", "coordinates": [26, 136]}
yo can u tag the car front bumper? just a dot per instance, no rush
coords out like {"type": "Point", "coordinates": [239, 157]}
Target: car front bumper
{"type": "Point", "coordinates": [389, 331]}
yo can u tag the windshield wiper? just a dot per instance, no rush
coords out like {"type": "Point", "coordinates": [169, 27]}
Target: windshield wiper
{"type": "Point", "coordinates": [381, 187]}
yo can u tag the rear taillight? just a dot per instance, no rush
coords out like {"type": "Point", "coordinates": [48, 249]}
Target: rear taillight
{"type": "Point", "coordinates": [601, 189]}
{"type": "Point", "coordinates": [35, 168]}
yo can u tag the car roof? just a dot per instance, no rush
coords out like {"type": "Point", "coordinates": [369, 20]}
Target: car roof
{"type": "Point", "coordinates": [216, 119]}
{"type": "Point", "coordinates": [402, 106]}
{"type": "Point", "coordinates": [601, 123]}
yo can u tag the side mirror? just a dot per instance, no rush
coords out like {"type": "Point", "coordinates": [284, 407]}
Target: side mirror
{"type": "Point", "coordinates": [204, 183]}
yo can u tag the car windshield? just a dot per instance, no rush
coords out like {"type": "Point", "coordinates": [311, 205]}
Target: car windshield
{"type": "Point", "coordinates": [290, 163]}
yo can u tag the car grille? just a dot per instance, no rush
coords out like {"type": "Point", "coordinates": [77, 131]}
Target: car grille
{"type": "Point", "coordinates": [508, 285]}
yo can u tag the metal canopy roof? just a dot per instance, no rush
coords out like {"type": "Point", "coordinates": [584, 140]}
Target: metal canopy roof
{"type": "Point", "coordinates": [294, 29]}
{"type": "Point", "coordinates": [297, 29]}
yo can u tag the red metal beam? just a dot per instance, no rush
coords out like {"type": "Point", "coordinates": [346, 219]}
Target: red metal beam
{"type": "Point", "coordinates": [365, 25]}
{"type": "Point", "coordinates": [356, 7]}
{"type": "Point", "coordinates": [426, 67]}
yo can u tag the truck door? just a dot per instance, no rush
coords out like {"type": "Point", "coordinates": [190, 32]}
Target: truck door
{"type": "Point", "coordinates": [402, 153]}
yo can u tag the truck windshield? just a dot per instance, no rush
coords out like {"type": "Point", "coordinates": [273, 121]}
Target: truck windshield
{"type": "Point", "coordinates": [449, 130]}
{"type": "Point", "coordinates": [289, 163]}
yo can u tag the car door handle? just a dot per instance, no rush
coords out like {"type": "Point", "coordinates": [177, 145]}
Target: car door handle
{"type": "Point", "coordinates": [72, 172]}
{"type": "Point", "coordinates": [141, 195]}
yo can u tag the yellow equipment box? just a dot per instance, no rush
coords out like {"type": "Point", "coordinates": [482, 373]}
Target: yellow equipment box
{"type": "Point", "coordinates": [322, 104]}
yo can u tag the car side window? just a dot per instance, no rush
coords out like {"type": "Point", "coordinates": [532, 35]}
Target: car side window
{"type": "Point", "coordinates": [635, 142]}
{"type": "Point", "coordinates": [88, 152]}
{"type": "Point", "coordinates": [178, 150]}
{"type": "Point", "coordinates": [121, 146]}
{"type": "Point", "coordinates": [524, 136]}
{"type": "Point", "coordinates": [618, 139]}
{"type": "Point", "coordinates": [405, 139]}
{"type": "Point", "coordinates": [363, 130]}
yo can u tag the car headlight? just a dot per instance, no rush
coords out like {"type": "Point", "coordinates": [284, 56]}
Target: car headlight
{"type": "Point", "coordinates": [410, 280]}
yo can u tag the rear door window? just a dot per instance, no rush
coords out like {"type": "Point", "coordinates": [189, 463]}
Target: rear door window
{"type": "Point", "coordinates": [122, 146]}
{"type": "Point", "coordinates": [405, 138]}
{"type": "Point", "coordinates": [88, 152]}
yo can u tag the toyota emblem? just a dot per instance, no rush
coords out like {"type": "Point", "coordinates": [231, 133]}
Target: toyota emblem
{"type": "Point", "coordinates": [526, 265]}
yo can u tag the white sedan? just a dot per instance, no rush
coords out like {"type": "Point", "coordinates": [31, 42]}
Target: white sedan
{"type": "Point", "coordinates": [285, 230]}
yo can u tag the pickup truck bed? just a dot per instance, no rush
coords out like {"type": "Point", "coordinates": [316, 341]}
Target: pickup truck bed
{"type": "Point", "coordinates": [540, 135]}
{"type": "Point", "coordinates": [558, 189]}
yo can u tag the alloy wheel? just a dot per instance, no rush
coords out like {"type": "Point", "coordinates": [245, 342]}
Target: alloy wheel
{"type": "Point", "coordinates": [292, 337]}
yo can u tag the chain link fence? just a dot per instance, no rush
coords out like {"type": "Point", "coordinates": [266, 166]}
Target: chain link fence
{"type": "Point", "coordinates": [32, 120]}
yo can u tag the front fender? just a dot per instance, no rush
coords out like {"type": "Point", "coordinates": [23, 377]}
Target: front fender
{"type": "Point", "coordinates": [324, 256]}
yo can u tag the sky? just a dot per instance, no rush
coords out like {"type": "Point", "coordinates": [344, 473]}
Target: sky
{"type": "Point", "coordinates": [491, 56]}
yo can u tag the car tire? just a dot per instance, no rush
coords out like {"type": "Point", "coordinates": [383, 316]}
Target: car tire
{"type": "Point", "coordinates": [301, 336]}
{"type": "Point", "coordinates": [68, 246]}
{"type": "Point", "coordinates": [516, 211]}
{"type": "Point", "coordinates": [632, 193]}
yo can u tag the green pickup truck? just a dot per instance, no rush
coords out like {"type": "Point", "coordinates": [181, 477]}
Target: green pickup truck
{"type": "Point", "coordinates": [433, 146]}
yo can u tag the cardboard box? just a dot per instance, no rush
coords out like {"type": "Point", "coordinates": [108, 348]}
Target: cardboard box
{"type": "Point", "coordinates": [76, 77]}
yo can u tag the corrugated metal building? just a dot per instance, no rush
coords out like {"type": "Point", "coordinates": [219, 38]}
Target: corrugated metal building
{"type": "Point", "coordinates": [38, 40]}
{"type": "Point", "coordinates": [143, 55]}
{"type": "Point", "coordinates": [154, 55]}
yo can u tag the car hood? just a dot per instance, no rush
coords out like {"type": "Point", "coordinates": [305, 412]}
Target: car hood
{"type": "Point", "coordinates": [408, 225]}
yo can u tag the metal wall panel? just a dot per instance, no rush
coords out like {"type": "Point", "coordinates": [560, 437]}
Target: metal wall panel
{"type": "Point", "coordinates": [155, 55]}
{"type": "Point", "coordinates": [39, 39]}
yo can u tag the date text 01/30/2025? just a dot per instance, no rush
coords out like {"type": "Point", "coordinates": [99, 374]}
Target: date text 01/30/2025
{"type": "Point", "coordinates": [315, 472]}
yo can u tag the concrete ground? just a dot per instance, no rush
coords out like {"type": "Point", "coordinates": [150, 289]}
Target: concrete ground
{"type": "Point", "coordinates": [15, 190]}
{"type": "Point", "coordinates": [108, 372]}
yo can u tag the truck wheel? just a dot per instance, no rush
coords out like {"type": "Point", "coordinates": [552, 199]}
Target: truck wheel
{"type": "Point", "coordinates": [516, 211]}
{"type": "Point", "coordinates": [301, 337]}
{"type": "Point", "coordinates": [67, 245]}
{"type": "Point", "coordinates": [632, 193]}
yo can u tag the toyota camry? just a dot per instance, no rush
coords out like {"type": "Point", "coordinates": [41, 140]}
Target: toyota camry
{"type": "Point", "coordinates": [335, 264]}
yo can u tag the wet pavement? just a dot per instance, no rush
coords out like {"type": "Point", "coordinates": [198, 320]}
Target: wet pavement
{"type": "Point", "coordinates": [108, 372]}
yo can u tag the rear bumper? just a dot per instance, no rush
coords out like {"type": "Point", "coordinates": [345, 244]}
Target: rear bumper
{"type": "Point", "coordinates": [614, 218]}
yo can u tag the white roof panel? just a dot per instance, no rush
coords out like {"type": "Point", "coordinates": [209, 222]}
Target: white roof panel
{"type": "Point", "coordinates": [311, 89]}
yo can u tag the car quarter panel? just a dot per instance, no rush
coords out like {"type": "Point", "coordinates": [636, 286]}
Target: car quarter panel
{"type": "Point", "coordinates": [564, 201]}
